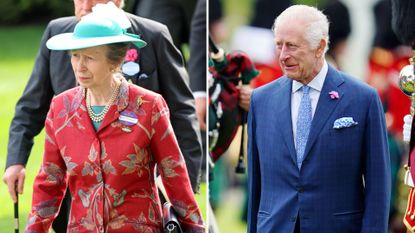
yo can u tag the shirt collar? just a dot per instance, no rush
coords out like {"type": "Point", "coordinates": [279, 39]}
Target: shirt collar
{"type": "Point", "coordinates": [316, 83]}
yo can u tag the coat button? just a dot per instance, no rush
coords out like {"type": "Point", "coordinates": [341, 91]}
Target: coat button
{"type": "Point", "coordinates": [300, 189]}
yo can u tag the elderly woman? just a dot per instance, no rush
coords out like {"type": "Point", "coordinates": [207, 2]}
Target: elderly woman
{"type": "Point", "coordinates": [104, 139]}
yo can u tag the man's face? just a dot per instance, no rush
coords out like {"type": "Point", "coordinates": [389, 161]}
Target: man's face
{"type": "Point", "coordinates": [297, 59]}
{"type": "Point", "coordinates": [84, 7]}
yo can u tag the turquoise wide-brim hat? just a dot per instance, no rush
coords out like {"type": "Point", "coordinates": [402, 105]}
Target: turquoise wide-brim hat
{"type": "Point", "coordinates": [93, 31]}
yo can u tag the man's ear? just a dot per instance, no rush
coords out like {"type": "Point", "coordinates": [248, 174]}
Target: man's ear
{"type": "Point", "coordinates": [117, 3]}
{"type": "Point", "coordinates": [321, 47]}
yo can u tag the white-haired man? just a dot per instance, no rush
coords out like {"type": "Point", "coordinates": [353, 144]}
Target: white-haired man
{"type": "Point", "coordinates": [318, 153]}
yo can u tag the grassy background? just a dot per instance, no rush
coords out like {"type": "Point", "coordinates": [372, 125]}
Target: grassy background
{"type": "Point", "coordinates": [18, 48]}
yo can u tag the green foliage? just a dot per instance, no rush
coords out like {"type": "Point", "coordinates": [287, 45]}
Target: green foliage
{"type": "Point", "coordinates": [317, 3]}
{"type": "Point", "coordinates": [18, 46]}
{"type": "Point", "coordinates": [9, 11]}
{"type": "Point", "coordinates": [15, 11]}
{"type": "Point", "coordinates": [60, 8]}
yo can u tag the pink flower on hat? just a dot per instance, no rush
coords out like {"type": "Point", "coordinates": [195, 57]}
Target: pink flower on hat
{"type": "Point", "coordinates": [334, 95]}
{"type": "Point", "coordinates": [132, 55]}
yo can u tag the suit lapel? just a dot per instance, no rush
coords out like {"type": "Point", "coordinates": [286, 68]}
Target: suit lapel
{"type": "Point", "coordinates": [284, 123]}
{"type": "Point", "coordinates": [134, 28]}
{"type": "Point", "coordinates": [325, 106]}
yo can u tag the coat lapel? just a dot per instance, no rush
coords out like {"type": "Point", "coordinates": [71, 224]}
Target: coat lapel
{"type": "Point", "coordinates": [325, 106]}
{"type": "Point", "coordinates": [79, 104]}
{"type": "Point", "coordinates": [284, 123]}
{"type": "Point", "coordinates": [120, 103]}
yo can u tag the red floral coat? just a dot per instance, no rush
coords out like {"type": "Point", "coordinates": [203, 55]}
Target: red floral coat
{"type": "Point", "coordinates": [111, 172]}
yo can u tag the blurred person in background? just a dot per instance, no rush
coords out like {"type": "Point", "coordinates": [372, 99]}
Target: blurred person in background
{"type": "Point", "coordinates": [217, 28]}
{"type": "Point", "coordinates": [339, 30]}
{"type": "Point", "coordinates": [318, 157]}
{"type": "Point", "coordinates": [263, 16]}
{"type": "Point", "coordinates": [197, 70]}
{"type": "Point", "coordinates": [388, 56]}
{"type": "Point", "coordinates": [158, 67]}
{"type": "Point", "coordinates": [396, 159]}
{"type": "Point", "coordinates": [218, 33]}
{"type": "Point", "coordinates": [186, 21]}
{"type": "Point", "coordinates": [175, 14]}
{"type": "Point", "coordinates": [265, 11]}
{"type": "Point", "coordinates": [403, 25]}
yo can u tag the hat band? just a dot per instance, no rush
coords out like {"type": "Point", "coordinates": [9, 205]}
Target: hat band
{"type": "Point", "coordinates": [131, 35]}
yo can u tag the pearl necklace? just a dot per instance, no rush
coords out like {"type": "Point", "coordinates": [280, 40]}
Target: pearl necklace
{"type": "Point", "coordinates": [100, 116]}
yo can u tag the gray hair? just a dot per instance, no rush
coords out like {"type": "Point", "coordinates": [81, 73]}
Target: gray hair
{"type": "Point", "coordinates": [317, 27]}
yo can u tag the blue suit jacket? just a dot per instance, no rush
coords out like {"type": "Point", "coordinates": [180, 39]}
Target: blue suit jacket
{"type": "Point", "coordinates": [344, 182]}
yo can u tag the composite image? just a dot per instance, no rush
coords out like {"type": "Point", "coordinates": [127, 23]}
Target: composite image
{"type": "Point", "coordinates": [207, 116]}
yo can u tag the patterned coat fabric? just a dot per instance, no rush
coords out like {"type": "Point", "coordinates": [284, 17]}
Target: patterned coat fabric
{"type": "Point", "coordinates": [163, 71]}
{"type": "Point", "coordinates": [111, 172]}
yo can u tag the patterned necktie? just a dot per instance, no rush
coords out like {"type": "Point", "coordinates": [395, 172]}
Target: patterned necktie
{"type": "Point", "coordinates": [303, 124]}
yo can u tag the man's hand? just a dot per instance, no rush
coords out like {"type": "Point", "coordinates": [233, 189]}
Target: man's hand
{"type": "Point", "coordinates": [407, 125]}
{"type": "Point", "coordinates": [201, 112]}
{"type": "Point", "coordinates": [15, 174]}
{"type": "Point", "coordinates": [245, 92]}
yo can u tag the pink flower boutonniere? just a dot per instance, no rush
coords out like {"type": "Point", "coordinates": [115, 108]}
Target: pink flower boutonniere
{"type": "Point", "coordinates": [334, 95]}
{"type": "Point", "coordinates": [132, 55]}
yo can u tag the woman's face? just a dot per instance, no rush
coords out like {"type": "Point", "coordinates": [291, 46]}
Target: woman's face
{"type": "Point", "coordinates": [91, 66]}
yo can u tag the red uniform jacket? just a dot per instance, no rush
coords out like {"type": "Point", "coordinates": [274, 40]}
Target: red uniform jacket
{"type": "Point", "coordinates": [111, 172]}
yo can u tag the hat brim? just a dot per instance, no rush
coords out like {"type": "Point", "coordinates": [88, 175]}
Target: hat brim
{"type": "Point", "coordinates": [67, 41]}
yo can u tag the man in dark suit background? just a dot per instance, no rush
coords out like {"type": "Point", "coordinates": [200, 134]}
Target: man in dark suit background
{"type": "Point", "coordinates": [197, 66]}
{"type": "Point", "coordinates": [318, 157]}
{"type": "Point", "coordinates": [158, 67]}
{"type": "Point", "coordinates": [175, 14]}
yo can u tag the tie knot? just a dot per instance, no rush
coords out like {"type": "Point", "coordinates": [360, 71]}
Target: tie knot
{"type": "Point", "coordinates": [306, 89]}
